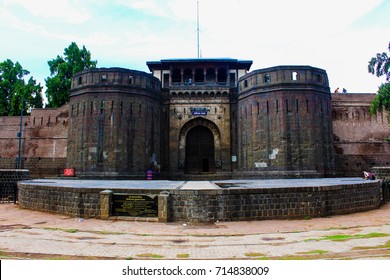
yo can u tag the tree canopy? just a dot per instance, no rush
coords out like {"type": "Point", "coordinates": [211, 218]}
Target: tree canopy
{"type": "Point", "coordinates": [380, 66]}
{"type": "Point", "coordinates": [61, 73]}
{"type": "Point", "coordinates": [14, 90]}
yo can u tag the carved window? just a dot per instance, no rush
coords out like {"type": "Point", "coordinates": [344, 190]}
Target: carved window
{"type": "Point", "coordinates": [267, 78]}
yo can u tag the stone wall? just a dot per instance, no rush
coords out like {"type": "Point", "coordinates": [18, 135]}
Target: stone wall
{"type": "Point", "coordinates": [114, 126]}
{"type": "Point", "coordinates": [249, 142]}
{"type": "Point", "coordinates": [43, 143]}
{"type": "Point", "coordinates": [383, 173]}
{"type": "Point", "coordinates": [359, 138]}
{"type": "Point", "coordinates": [75, 202]}
{"type": "Point", "coordinates": [263, 204]}
{"type": "Point", "coordinates": [8, 183]}
{"type": "Point", "coordinates": [284, 122]}
{"type": "Point", "coordinates": [200, 206]}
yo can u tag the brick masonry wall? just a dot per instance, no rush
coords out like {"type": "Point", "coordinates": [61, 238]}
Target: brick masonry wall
{"type": "Point", "coordinates": [383, 173]}
{"type": "Point", "coordinates": [262, 204]}
{"type": "Point", "coordinates": [8, 183]}
{"type": "Point", "coordinates": [75, 202]}
{"type": "Point", "coordinates": [359, 138]}
{"type": "Point", "coordinates": [200, 206]}
{"type": "Point", "coordinates": [43, 145]}
{"type": "Point", "coordinates": [114, 124]}
{"type": "Point", "coordinates": [285, 124]}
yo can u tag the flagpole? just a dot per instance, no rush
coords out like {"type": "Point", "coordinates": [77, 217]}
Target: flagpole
{"type": "Point", "coordinates": [197, 24]}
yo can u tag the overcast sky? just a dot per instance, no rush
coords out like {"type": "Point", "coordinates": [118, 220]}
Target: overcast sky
{"type": "Point", "coordinates": [339, 36]}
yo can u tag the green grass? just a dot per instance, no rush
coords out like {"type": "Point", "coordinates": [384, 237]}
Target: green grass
{"type": "Point", "coordinates": [295, 258]}
{"type": "Point", "coordinates": [254, 254]}
{"type": "Point", "coordinates": [3, 254]}
{"type": "Point", "coordinates": [183, 256]}
{"type": "Point", "coordinates": [344, 237]}
{"type": "Point", "coordinates": [149, 255]}
{"type": "Point", "coordinates": [70, 230]}
{"type": "Point", "coordinates": [384, 246]}
{"type": "Point", "coordinates": [107, 232]}
{"type": "Point", "coordinates": [319, 252]}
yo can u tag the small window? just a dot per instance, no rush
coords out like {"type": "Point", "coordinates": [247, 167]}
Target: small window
{"type": "Point", "coordinates": [166, 80]}
{"type": "Point", "coordinates": [103, 77]}
{"type": "Point", "coordinates": [267, 78]}
{"type": "Point", "coordinates": [101, 107]}
{"type": "Point", "coordinates": [294, 76]}
{"type": "Point", "coordinates": [131, 79]}
{"type": "Point", "coordinates": [176, 76]}
{"type": "Point", "coordinates": [232, 77]}
{"type": "Point", "coordinates": [246, 83]}
{"type": "Point", "coordinates": [80, 80]}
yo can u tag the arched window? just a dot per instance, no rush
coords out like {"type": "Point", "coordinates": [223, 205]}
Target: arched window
{"type": "Point", "coordinates": [294, 76]}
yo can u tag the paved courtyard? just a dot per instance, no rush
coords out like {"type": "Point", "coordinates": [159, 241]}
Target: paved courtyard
{"type": "Point", "coordinates": [28, 234]}
{"type": "Point", "coordinates": [196, 185]}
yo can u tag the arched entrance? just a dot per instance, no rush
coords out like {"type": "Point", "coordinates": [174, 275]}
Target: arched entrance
{"type": "Point", "coordinates": [200, 150]}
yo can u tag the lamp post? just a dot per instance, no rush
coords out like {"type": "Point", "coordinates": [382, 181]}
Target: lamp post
{"type": "Point", "coordinates": [20, 135]}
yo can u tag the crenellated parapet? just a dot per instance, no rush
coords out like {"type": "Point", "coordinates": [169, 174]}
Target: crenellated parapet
{"type": "Point", "coordinates": [114, 79]}
{"type": "Point", "coordinates": [286, 77]}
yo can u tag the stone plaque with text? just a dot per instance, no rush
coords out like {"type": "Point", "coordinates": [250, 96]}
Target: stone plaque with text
{"type": "Point", "coordinates": [134, 205]}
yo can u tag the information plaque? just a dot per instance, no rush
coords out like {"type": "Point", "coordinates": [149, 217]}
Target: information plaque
{"type": "Point", "coordinates": [134, 205]}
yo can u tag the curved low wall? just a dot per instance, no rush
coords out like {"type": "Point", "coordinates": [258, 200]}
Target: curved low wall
{"type": "Point", "coordinates": [8, 183]}
{"type": "Point", "coordinates": [231, 202]}
{"type": "Point", "coordinates": [273, 203]}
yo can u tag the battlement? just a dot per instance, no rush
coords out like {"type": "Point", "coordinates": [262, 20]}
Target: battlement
{"type": "Point", "coordinates": [115, 78]}
{"type": "Point", "coordinates": [286, 76]}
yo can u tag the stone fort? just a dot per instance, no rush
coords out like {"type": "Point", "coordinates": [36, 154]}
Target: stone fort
{"type": "Point", "coordinates": [201, 119]}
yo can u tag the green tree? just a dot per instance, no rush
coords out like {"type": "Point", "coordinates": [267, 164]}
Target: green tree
{"type": "Point", "coordinates": [61, 73]}
{"type": "Point", "coordinates": [14, 89]}
{"type": "Point", "coordinates": [379, 66]}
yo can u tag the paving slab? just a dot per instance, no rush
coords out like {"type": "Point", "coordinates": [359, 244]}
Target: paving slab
{"type": "Point", "coordinates": [199, 185]}
{"type": "Point", "coordinates": [35, 233]}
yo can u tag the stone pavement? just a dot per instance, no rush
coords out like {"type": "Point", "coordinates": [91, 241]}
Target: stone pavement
{"type": "Point", "coordinates": [31, 234]}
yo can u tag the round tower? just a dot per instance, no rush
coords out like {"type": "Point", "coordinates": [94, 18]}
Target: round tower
{"type": "Point", "coordinates": [114, 126]}
{"type": "Point", "coordinates": [285, 123]}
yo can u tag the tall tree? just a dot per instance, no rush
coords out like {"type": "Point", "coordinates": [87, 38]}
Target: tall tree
{"type": "Point", "coordinates": [14, 90]}
{"type": "Point", "coordinates": [380, 66]}
{"type": "Point", "coordinates": [61, 73]}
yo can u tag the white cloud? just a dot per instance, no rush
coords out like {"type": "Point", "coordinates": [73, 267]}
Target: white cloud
{"type": "Point", "coordinates": [70, 11]}
{"type": "Point", "coordinates": [128, 33]}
